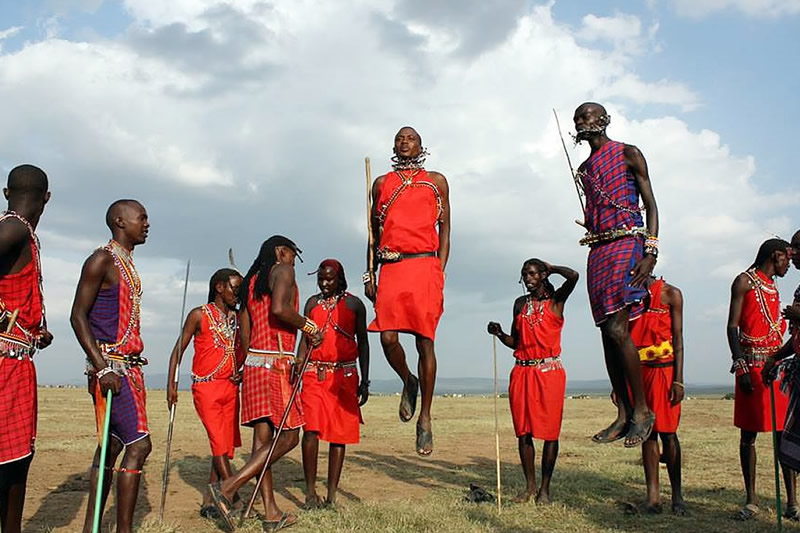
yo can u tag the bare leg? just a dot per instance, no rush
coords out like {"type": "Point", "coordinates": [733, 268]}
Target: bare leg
{"type": "Point", "coordinates": [395, 355]}
{"type": "Point", "coordinates": [128, 483]}
{"type": "Point", "coordinates": [335, 462]}
{"type": "Point", "coordinates": [114, 449]}
{"type": "Point", "coordinates": [427, 378]}
{"type": "Point", "coordinates": [747, 458]}
{"type": "Point", "coordinates": [549, 456]}
{"type": "Point", "coordinates": [13, 479]}
{"type": "Point", "coordinates": [650, 456]}
{"type": "Point", "coordinates": [310, 454]}
{"type": "Point", "coordinates": [527, 456]}
{"type": "Point", "coordinates": [262, 439]}
{"type": "Point", "coordinates": [617, 377]}
{"type": "Point", "coordinates": [672, 453]}
{"type": "Point", "coordinates": [790, 481]}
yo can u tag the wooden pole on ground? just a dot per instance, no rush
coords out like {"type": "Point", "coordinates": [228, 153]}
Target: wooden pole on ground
{"type": "Point", "coordinates": [496, 426]}
{"type": "Point", "coordinates": [165, 478]}
{"type": "Point", "coordinates": [101, 467]}
{"type": "Point", "coordinates": [370, 236]}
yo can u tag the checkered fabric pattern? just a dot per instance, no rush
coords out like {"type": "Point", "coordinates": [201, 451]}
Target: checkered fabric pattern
{"type": "Point", "coordinates": [21, 291]}
{"type": "Point", "coordinates": [128, 415]}
{"type": "Point", "coordinates": [608, 274]}
{"type": "Point", "coordinates": [133, 344]}
{"type": "Point", "coordinates": [265, 328]}
{"type": "Point", "coordinates": [606, 178]}
{"type": "Point", "coordinates": [266, 392]}
{"type": "Point", "coordinates": [17, 408]}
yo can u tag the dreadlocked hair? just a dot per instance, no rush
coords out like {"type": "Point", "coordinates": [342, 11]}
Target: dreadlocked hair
{"type": "Point", "coordinates": [767, 248]}
{"type": "Point", "coordinates": [540, 266]}
{"type": "Point", "coordinates": [223, 275]}
{"type": "Point", "coordinates": [266, 259]}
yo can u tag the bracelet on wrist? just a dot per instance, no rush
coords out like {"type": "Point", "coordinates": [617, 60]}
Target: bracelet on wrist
{"type": "Point", "coordinates": [310, 327]}
{"type": "Point", "coordinates": [679, 384]}
{"type": "Point", "coordinates": [368, 276]}
{"type": "Point", "coordinates": [103, 371]}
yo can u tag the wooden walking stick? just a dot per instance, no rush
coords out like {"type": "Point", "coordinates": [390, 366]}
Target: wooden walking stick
{"type": "Point", "coordinates": [778, 509]}
{"type": "Point", "coordinates": [165, 479]}
{"type": "Point", "coordinates": [370, 236]}
{"type": "Point", "coordinates": [12, 320]}
{"type": "Point", "coordinates": [496, 425]}
{"type": "Point", "coordinates": [279, 430]}
{"type": "Point", "coordinates": [101, 468]}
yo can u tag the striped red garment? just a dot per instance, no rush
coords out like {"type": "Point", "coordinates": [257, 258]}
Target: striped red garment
{"type": "Point", "coordinates": [608, 275]}
{"type": "Point", "coordinates": [18, 408]}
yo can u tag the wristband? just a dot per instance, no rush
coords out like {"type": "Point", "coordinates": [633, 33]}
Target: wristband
{"type": "Point", "coordinates": [651, 245]}
{"type": "Point", "coordinates": [367, 276]}
{"type": "Point", "coordinates": [310, 327]}
{"type": "Point", "coordinates": [740, 367]}
{"type": "Point", "coordinates": [103, 371]}
{"type": "Point", "coordinates": [679, 384]}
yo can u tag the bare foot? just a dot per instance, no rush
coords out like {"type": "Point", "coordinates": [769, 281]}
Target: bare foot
{"type": "Point", "coordinates": [542, 497]}
{"type": "Point", "coordinates": [523, 497]}
{"type": "Point", "coordinates": [313, 501]}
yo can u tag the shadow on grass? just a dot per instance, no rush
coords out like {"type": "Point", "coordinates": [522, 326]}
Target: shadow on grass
{"type": "Point", "coordinates": [61, 505]}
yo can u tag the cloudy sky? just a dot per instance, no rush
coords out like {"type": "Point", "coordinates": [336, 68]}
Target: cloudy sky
{"type": "Point", "coordinates": [235, 120]}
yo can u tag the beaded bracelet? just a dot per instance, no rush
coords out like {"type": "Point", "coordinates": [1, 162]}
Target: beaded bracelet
{"type": "Point", "coordinates": [103, 371]}
{"type": "Point", "coordinates": [367, 276]}
{"type": "Point", "coordinates": [740, 367]}
{"type": "Point", "coordinates": [310, 327]}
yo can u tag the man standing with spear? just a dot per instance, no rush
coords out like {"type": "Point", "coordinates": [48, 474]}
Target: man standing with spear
{"type": "Point", "coordinates": [409, 235]}
{"type": "Point", "coordinates": [105, 318]}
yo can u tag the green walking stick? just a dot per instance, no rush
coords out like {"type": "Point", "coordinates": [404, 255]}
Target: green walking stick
{"type": "Point", "coordinates": [775, 454]}
{"type": "Point", "coordinates": [101, 469]}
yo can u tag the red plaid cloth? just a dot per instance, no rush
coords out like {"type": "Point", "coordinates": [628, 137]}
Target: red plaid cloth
{"type": "Point", "coordinates": [17, 408]}
{"type": "Point", "coordinates": [133, 344]}
{"type": "Point", "coordinates": [608, 274]}
{"type": "Point", "coordinates": [606, 179]}
{"type": "Point", "coordinates": [21, 291]}
{"type": "Point", "coordinates": [128, 413]}
{"type": "Point", "coordinates": [266, 392]}
{"type": "Point", "coordinates": [265, 328]}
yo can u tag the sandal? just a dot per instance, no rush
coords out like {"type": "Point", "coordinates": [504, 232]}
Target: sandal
{"type": "Point", "coordinates": [746, 513]}
{"type": "Point", "coordinates": [638, 433]}
{"type": "Point", "coordinates": [424, 441]}
{"type": "Point", "coordinates": [792, 513]}
{"type": "Point", "coordinates": [408, 400]}
{"type": "Point", "coordinates": [287, 519]}
{"type": "Point", "coordinates": [211, 512]}
{"type": "Point", "coordinates": [222, 503]}
{"type": "Point", "coordinates": [614, 432]}
{"type": "Point", "coordinates": [679, 508]}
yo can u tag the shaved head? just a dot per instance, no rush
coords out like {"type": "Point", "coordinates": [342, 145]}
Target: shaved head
{"type": "Point", "coordinates": [419, 137]}
{"type": "Point", "coordinates": [117, 209]}
{"type": "Point", "coordinates": [594, 105]}
{"type": "Point", "coordinates": [27, 179]}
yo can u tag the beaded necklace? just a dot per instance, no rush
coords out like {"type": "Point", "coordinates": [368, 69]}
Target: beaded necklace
{"type": "Point", "coordinates": [582, 174]}
{"type": "Point", "coordinates": [223, 332]}
{"type": "Point", "coordinates": [124, 262]}
{"type": "Point", "coordinates": [761, 289]}
{"type": "Point", "coordinates": [329, 305]}
{"type": "Point", "coordinates": [37, 262]}
{"type": "Point", "coordinates": [534, 311]}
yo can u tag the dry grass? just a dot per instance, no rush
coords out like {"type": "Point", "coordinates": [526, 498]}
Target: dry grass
{"type": "Point", "coordinates": [386, 487]}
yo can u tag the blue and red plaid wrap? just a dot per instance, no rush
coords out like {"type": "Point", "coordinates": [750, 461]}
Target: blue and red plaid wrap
{"type": "Point", "coordinates": [612, 202]}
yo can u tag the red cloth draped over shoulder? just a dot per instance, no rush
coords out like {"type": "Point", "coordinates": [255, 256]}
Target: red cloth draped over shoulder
{"type": "Point", "coordinates": [410, 292]}
{"type": "Point", "coordinates": [330, 404]}
{"type": "Point", "coordinates": [265, 328]}
{"type": "Point", "coordinates": [536, 393]}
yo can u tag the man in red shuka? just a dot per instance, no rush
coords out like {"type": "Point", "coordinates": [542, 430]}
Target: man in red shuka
{"type": "Point", "coordinates": [332, 394]}
{"type": "Point", "coordinates": [410, 227]}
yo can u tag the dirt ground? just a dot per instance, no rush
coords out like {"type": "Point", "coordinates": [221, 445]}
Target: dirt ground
{"type": "Point", "coordinates": [383, 471]}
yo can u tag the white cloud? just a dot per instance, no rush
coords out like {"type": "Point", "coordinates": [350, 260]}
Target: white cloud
{"type": "Point", "coordinates": [236, 121]}
{"type": "Point", "coordinates": [752, 8]}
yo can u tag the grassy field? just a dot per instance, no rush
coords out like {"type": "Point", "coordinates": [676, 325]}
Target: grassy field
{"type": "Point", "coordinates": [385, 486]}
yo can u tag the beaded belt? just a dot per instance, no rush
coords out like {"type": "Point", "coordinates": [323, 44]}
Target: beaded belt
{"type": "Point", "coordinates": [610, 235]}
{"type": "Point", "coordinates": [266, 358]}
{"type": "Point", "coordinates": [752, 357]}
{"type": "Point", "coordinates": [134, 359]}
{"type": "Point", "coordinates": [322, 367]}
{"type": "Point", "coordinates": [387, 256]}
{"type": "Point", "coordinates": [15, 348]}
{"type": "Point", "coordinates": [538, 362]}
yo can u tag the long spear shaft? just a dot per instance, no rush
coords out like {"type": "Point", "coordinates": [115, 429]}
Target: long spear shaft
{"type": "Point", "coordinates": [569, 162]}
{"type": "Point", "coordinates": [101, 469]}
{"type": "Point", "coordinates": [165, 479]}
{"type": "Point", "coordinates": [496, 424]}
{"type": "Point", "coordinates": [778, 509]}
{"type": "Point", "coordinates": [370, 236]}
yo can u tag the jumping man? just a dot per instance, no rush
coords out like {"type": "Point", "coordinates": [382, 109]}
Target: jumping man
{"type": "Point", "coordinates": [410, 226]}
{"type": "Point", "coordinates": [622, 255]}
{"type": "Point", "coordinates": [23, 330]}
{"type": "Point", "coordinates": [332, 392]}
{"type": "Point", "coordinates": [105, 318]}
{"type": "Point", "coordinates": [215, 375]}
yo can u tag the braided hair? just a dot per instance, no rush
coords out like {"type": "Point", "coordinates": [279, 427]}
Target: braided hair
{"type": "Point", "coordinates": [261, 267]}
{"type": "Point", "coordinates": [223, 275]}
{"type": "Point", "coordinates": [767, 248]}
{"type": "Point", "coordinates": [542, 267]}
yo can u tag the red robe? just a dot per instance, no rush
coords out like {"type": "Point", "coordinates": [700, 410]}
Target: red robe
{"type": "Point", "coordinates": [265, 384]}
{"type": "Point", "coordinates": [18, 401]}
{"type": "Point", "coordinates": [652, 335]}
{"type": "Point", "coordinates": [536, 393]}
{"type": "Point", "coordinates": [761, 329]}
{"type": "Point", "coordinates": [330, 393]}
{"type": "Point", "coordinates": [216, 397]}
{"type": "Point", "coordinates": [410, 292]}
